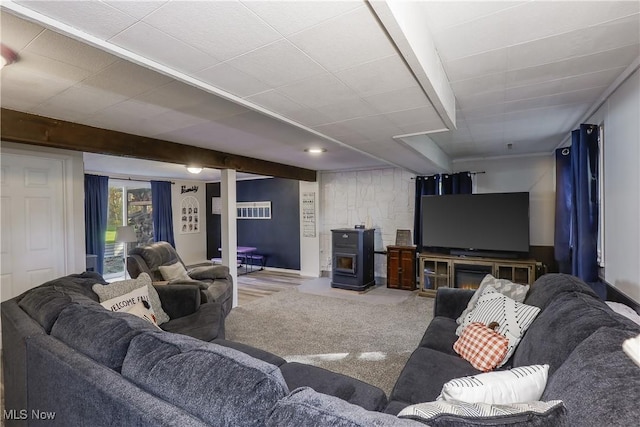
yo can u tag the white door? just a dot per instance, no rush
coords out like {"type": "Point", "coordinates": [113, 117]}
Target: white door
{"type": "Point", "coordinates": [32, 238]}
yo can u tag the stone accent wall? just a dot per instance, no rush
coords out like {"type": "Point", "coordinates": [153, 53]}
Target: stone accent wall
{"type": "Point", "coordinates": [381, 198]}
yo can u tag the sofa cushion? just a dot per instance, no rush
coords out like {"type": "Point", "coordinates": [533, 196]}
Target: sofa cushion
{"type": "Point", "coordinates": [206, 324]}
{"type": "Point", "coordinates": [115, 289]}
{"type": "Point", "coordinates": [306, 407]}
{"type": "Point", "coordinates": [173, 271]}
{"type": "Point", "coordinates": [506, 287]}
{"type": "Point", "coordinates": [549, 286]}
{"type": "Point", "coordinates": [513, 317]}
{"type": "Point", "coordinates": [98, 333]}
{"type": "Point", "coordinates": [516, 385]}
{"type": "Point", "coordinates": [598, 382]}
{"type": "Point", "coordinates": [252, 351]}
{"type": "Point", "coordinates": [453, 414]}
{"type": "Point", "coordinates": [44, 304]}
{"type": "Point", "coordinates": [323, 381]}
{"type": "Point", "coordinates": [220, 385]}
{"type": "Point", "coordinates": [425, 373]}
{"type": "Point", "coordinates": [440, 335]}
{"type": "Point", "coordinates": [564, 324]}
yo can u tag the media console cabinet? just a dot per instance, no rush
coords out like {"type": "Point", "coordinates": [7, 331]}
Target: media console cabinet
{"type": "Point", "coordinates": [440, 271]}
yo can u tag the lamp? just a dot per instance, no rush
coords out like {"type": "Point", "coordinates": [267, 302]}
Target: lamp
{"type": "Point", "coordinates": [194, 169]}
{"type": "Point", "coordinates": [7, 55]}
{"type": "Point", "coordinates": [126, 234]}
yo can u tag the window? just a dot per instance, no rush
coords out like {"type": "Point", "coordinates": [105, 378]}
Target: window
{"type": "Point", "coordinates": [129, 204]}
{"type": "Point", "coordinates": [253, 210]}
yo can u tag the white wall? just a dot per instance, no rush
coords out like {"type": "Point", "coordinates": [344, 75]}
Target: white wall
{"type": "Point", "coordinates": [620, 115]}
{"type": "Point", "coordinates": [192, 247]}
{"type": "Point", "coordinates": [382, 199]}
{"type": "Point", "coordinates": [535, 174]}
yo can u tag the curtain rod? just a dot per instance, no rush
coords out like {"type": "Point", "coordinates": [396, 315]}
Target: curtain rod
{"type": "Point", "coordinates": [472, 173]}
{"type": "Point", "coordinates": [135, 180]}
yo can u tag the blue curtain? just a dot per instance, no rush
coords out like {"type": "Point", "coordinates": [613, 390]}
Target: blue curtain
{"type": "Point", "coordinates": [96, 201]}
{"type": "Point", "coordinates": [162, 212]}
{"type": "Point", "coordinates": [456, 183]}
{"type": "Point", "coordinates": [584, 213]}
{"type": "Point", "coordinates": [576, 228]}
{"type": "Point", "coordinates": [564, 201]}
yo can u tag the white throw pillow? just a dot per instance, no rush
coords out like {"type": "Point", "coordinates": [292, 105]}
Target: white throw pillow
{"type": "Point", "coordinates": [513, 318]}
{"type": "Point", "coordinates": [126, 301]}
{"type": "Point", "coordinates": [506, 287]}
{"type": "Point", "coordinates": [173, 271]}
{"type": "Point", "coordinates": [522, 384]}
{"type": "Point", "coordinates": [112, 290]}
{"type": "Point", "coordinates": [143, 310]}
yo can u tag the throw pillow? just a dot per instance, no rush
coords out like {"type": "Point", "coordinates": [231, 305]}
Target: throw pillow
{"type": "Point", "coordinates": [128, 300]}
{"type": "Point", "coordinates": [173, 271]}
{"type": "Point", "coordinates": [448, 414]}
{"type": "Point", "coordinates": [506, 287]}
{"type": "Point", "coordinates": [112, 290]}
{"type": "Point", "coordinates": [143, 310]}
{"type": "Point", "coordinates": [513, 317]}
{"type": "Point", "coordinates": [483, 347]}
{"type": "Point", "coordinates": [522, 384]}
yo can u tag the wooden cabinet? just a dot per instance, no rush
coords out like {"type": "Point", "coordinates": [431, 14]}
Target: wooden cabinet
{"type": "Point", "coordinates": [438, 271]}
{"type": "Point", "coordinates": [401, 267]}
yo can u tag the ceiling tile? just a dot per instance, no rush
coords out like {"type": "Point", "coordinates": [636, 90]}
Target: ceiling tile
{"type": "Point", "coordinates": [346, 41]}
{"type": "Point", "coordinates": [222, 29]}
{"type": "Point", "coordinates": [227, 78]}
{"type": "Point", "coordinates": [151, 43]}
{"type": "Point", "coordinates": [318, 91]}
{"type": "Point", "coordinates": [64, 49]}
{"type": "Point", "coordinates": [475, 66]}
{"type": "Point", "coordinates": [168, 122]}
{"type": "Point", "coordinates": [17, 33]}
{"type": "Point", "coordinates": [443, 14]}
{"type": "Point", "coordinates": [277, 64]}
{"type": "Point", "coordinates": [275, 101]}
{"type": "Point", "coordinates": [488, 83]}
{"type": "Point", "coordinates": [137, 9]}
{"type": "Point", "coordinates": [398, 100]}
{"type": "Point", "coordinates": [93, 17]}
{"type": "Point", "coordinates": [383, 75]}
{"type": "Point", "coordinates": [292, 16]}
{"type": "Point", "coordinates": [347, 110]}
{"type": "Point", "coordinates": [126, 78]}
{"type": "Point", "coordinates": [413, 115]}
{"type": "Point", "coordinates": [308, 117]}
{"type": "Point", "coordinates": [80, 100]}
{"type": "Point", "coordinates": [37, 79]}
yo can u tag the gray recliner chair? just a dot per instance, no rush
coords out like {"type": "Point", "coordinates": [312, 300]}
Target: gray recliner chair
{"type": "Point", "coordinates": [215, 282]}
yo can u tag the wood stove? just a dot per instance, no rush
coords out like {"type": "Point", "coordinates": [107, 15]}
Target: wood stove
{"type": "Point", "coordinates": [352, 266]}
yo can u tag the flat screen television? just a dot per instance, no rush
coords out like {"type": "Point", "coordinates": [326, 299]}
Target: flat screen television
{"type": "Point", "coordinates": [487, 224]}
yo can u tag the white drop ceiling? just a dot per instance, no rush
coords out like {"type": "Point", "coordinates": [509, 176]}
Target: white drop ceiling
{"type": "Point", "coordinates": [268, 79]}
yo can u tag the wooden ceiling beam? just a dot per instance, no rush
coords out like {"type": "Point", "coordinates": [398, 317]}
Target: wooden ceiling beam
{"type": "Point", "coordinates": [31, 129]}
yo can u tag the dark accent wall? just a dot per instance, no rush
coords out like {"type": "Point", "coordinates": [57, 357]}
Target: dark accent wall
{"type": "Point", "coordinates": [278, 238]}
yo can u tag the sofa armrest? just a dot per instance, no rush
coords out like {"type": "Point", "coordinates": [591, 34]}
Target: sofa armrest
{"type": "Point", "coordinates": [179, 300]}
{"type": "Point", "coordinates": [451, 302]}
{"type": "Point", "coordinates": [206, 324]}
{"type": "Point", "coordinates": [209, 272]}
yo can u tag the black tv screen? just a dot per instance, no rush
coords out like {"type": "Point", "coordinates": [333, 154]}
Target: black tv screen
{"type": "Point", "coordinates": [477, 222]}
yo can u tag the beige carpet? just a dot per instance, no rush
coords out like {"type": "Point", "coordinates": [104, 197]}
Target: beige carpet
{"type": "Point", "coordinates": [368, 341]}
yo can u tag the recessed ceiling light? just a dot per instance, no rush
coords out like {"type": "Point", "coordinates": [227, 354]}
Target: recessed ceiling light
{"type": "Point", "coordinates": [315, 150]}
{"type": "Point", "coordinates": [194, 169]}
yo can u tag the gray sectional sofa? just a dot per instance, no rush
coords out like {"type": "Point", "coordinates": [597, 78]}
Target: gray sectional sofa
{"type": "Point", "coordinates": [66, 355]}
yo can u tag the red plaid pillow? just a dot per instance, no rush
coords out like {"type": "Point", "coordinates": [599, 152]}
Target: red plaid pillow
{"type": "Point", "coordinates": [481, 346]}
